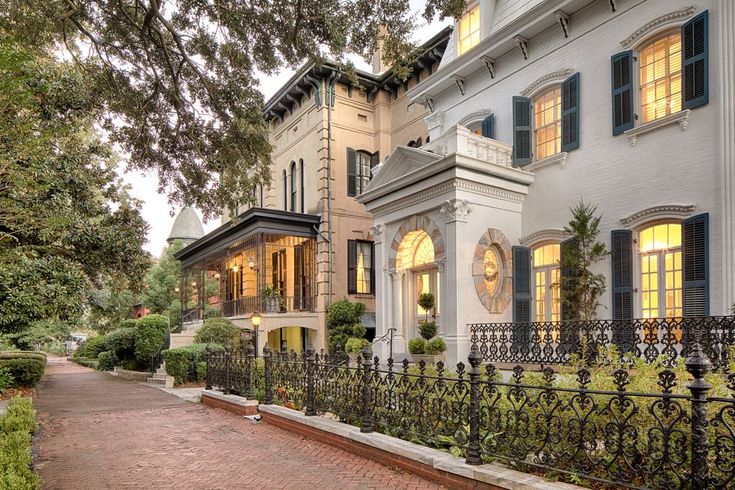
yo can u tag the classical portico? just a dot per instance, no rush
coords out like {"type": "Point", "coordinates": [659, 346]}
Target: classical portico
{"type": "Point", "coordinates": [445, 215]}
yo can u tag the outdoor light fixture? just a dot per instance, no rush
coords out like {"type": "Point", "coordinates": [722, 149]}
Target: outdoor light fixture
{"type": "Point", "coordinates": [193, 284]}
{"type": "Point", "coordinates": [216, 275]}
{"type": "Point", "coordinates": [235, 268]}
{"type": "Point", "coordinates": [255, 319]}
{"type": "Point", "coordinates": [251, 263]}
{"type": "Point", "coordinates": [176, 289]}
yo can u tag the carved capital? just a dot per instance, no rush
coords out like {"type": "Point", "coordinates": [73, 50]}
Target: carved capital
{"type": "Point", "coordinates": [456, 210]}
{"type": "Point", "coordinates": [377, 232]}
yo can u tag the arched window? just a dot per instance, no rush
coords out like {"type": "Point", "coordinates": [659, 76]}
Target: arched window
{"type": "Point", "coordinates": [285, 190]}
{"type": "Point", "coordinates": [546, 275]}
{"type": "Point", "coordinates": [659, 251]}
{"type": "Point", "coordinates": [547, 122]}
{"type": "Point", "coordinates": [660, 75]}
{"type": "Point", "coordinates": [419, 143]}
{"type": "Point", "coordinates": [301, 181]}
{"type": "Point", "coordinates": [294, 188]}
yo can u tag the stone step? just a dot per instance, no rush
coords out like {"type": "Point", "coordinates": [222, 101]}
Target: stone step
{"type": "Point", "coordinates": [157, 381]}
{"type": "Point", "coordinates": [159, 376]}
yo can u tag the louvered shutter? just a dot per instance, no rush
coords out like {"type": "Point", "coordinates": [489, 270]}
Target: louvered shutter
{"type": "Point", "coordinates": [372, 268]}
{"type": "Point", "coordinates": [695, 61]}
{"type": "Point", "coordinates": [570, 113]}
{"type": "Point", "coordinates": [521, 130]}
{"type": "Point", "coordinates": [351, 266]}
{"type": "Point", "coordinates": [695, 253]}
{"type": "Point", "coordinates": [374, 160]}
{"type": "Point", "coordinates": [622, 274]}
{"type": "Point", "coordinates": [488, 126]}
{"type": "Point", "coordinates": [521, 284]}
{"type": "Point", "coordinates": [567, 279]}
{"type": "Point", "coordinates": [622, 92]}
{"type": "Point", "coordinates": [351, 172]}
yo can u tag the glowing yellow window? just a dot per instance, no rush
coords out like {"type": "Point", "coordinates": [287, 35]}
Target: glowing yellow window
{"type": "Point", "coordinates": [661, 271]}
{"type": "Point", "coordinates": [660, 77]}
{"type": "Point", "coordinates": [546, 283]}
{"type": "Point", "coordinates": [469, 30]}
{"type": "Point", "coordinates": [547, 123]}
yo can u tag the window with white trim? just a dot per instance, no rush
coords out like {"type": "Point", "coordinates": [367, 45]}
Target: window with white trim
{"type": "Point", "coordinates": [659, 62]}
{"type": "Point", "coordinates": [660, 261]}
{"type": "Point", "coordinates": [546, 281]}
{"type": "Point", "coordinates": [547, 123]}
{"type": "Point", "coordinates": [469, 30]}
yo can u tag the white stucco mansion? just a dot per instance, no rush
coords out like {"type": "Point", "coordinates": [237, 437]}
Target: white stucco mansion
{"type": "Point", "coordinates": [627, 104]}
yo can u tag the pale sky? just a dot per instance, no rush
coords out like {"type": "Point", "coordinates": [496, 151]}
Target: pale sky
{"type": "Point", "coordinates": [156, 209]}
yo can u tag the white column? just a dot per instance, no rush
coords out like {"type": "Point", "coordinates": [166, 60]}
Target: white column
{"type": "Point", "coordinates": [397, 292]}
{"type": "Point", "coordinates": [726, 63]}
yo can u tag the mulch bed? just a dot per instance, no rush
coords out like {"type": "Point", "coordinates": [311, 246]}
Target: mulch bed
{"type": "Point", "coordinates": [24, 392]}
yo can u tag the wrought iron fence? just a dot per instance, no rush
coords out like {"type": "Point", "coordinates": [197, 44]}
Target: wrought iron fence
{"type": "Point", "coordinates": [267, 304]}
{"type": "Point", "coordinates": [556, 342]}
{"type": "Point", "coordinates": [232, 372]}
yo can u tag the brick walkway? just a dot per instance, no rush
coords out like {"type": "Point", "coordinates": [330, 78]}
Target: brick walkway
{"type": "Point", "coordinates": [100, 432]}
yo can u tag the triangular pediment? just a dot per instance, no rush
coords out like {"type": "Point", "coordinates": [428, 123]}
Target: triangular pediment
{"type": "Point", "coordinates": [401, 162]}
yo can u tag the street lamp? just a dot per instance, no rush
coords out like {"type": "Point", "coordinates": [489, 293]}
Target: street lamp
{"type": "Point", "coordinates": [255, 320]}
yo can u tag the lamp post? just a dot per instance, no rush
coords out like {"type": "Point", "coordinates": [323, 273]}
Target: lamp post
{"type": "Point", "coordinates": [255, 320]}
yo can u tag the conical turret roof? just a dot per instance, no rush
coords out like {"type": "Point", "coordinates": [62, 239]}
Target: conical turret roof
{"type": "Point", "coordinates": [187, 227]}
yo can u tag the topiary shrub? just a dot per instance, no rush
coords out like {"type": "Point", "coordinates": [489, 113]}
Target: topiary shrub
{"type": "Point", "coordinates": [17, 425]}
{"type": "Point", "coordinates": [106, 361]}
{"type": "Point", "coordinates": [24, 354]}
{"type": "Point", "coordinates": [91, 347]}
{"type": "Point", "coordinates": [426, 302]}
{"type": "Point", "coordinates": [417, 346]}
{"type": "Point", "coordinates": [128, 323]}
{"type": "Point", "coordinates": [355, 345]}
{"type": "Point", "coordinates": [343, 322]}
{"type": "Point", "coordinates": [427, 330]}
{"type": "Point", "coordinates": [121, 343]}
{"type": "Point", "coordinates": [26, 371]}
{"type": "Point", "coordinates": [149, 337]}
{"type": "Point", "coordinates": [182, 363]}
{"type": "Point", "coordinates": [436, 346]}
{"type": "Point", "coordinates": [218, 331]}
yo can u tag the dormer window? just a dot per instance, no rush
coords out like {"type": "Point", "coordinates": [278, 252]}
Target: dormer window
{"type": "Point", "coordinates": [469, 30]}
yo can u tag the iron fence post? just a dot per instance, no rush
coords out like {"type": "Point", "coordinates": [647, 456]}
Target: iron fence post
{"type": "Point", "coordinates": [250, 389]}
{"type": "Point", "coordinates": [697, 364]}
{"type": "Point", "coordinates": [310, 361]}
{"type": "Point", "coordinates": [227, 359]}
{"type": "Point", "coordinates": [268, 389]}
{"type": "Point", "coordinates": [208, 353]}
{"type": "Point", "coordinates": [367, 409]}
{"type": "Point", "coordinates": [473, 442]}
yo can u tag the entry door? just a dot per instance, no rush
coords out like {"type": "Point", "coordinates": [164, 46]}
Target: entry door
{"type": "Point", "coordinates": [278, 260]}
{"type": "Point", "coordinates": [425, 281]}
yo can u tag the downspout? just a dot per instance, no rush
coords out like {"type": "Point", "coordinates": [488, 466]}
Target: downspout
{"type": "Point", "coordinates": [330, 97]}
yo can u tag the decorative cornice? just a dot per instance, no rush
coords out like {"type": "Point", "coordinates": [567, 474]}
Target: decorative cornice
{"type": "Point", "coordinates": [560, 158]}
{"type": "Point", "coordinates": [675, 17]}
{"type": "Point", "coordinates": [474, 117]}
{"type": "Point", "coordinates": [456, 210]}
{"type": "Point", "coordinates": [681, 117]}
{"type": "Point", "coordinates": [557, 75]}
{"type": "Point", "coordinates": [548, 235]}
{"type": "Point", "coordinates": [663, 211]}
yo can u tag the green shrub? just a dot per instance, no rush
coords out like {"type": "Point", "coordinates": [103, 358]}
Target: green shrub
{"type": "Point", "coordinates": [6, 379]}
{"type": "Point", "coordinates": [128, 323]}
{"type": "Point", "coordinates": [417, 346]}
{"type": "Point", "coordinates": [121, 343]}
{"type": "Point", "coordinates": [355, 345]}
{"type": "Point", "coordinates": [426, 301]}
{"type": "Point", "coordinates": [436, 346]}
{"type": "Point", "coordinates": [24, 354]}
{"type": "Point", "coordinates": [83, 361]}
{"type": "Point", "coordinates": [16, 427]}
{"type": "Point", "coordinates": [218, 331]}
{"type": "Point", "coordinates": [149, 336]}
{"type": "Point", "coordinates": [343, 322]}
{"type": "Point", "coordinates": [182, 363]}
{"type": "Point", "coordinates": [201, 370]}
{"type": "Point", "coordinates": [26, 371]}
{"type": "Point", "coordinates": [91, 347]}
{"type": "Point", "coordinates": [106, 361]}
{"type": "Point", "coordinates": [427, 330]}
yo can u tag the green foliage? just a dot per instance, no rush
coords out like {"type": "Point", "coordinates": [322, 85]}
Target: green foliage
{"type": "Point", "coordinates": [427, 330]}
{"type": "Point", "coordinates": [182, 363]}
{"type": "Point", "coordinates": [91, 347]}
{"type": "Point", "coordinates": [17, 425]}
{"type": "Point", "coordinates": [426, 302]}
{"type": "Point", "coordinates": [40, 333]}
{"type": "Point", "coordinates": [582, 290]}
{"type": "Point", "coordinates": [26, 371]}
{"type": "Point", "coordinates": [128, 323]}
{"type": "Point", "coordinates": [355, 345]}
{"type": "Point", "coordinates": [83, 361]}
{"type": "Point", "coordinates": [120, 343]}
{"type": "Point", "coordinates": [218, 331]}
{"type": "Point", "coordinates": [436, 346]}
{"type": "Point", "coordinates": [6, 379]}
{"type": "Point", "coordinates": [417, 346]}
{"type": "Point", "coordinates": [149, 337]}
{"type": "Point", "coordinates": [343, 322]}
{"type": "Point", "coordinates": [106, 361]}
{"type": "Point", "coordinates": [162, 280]}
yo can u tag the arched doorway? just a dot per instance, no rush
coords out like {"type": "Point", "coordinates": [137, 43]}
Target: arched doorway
{"type": "Point", "coordinates": [417, 258]}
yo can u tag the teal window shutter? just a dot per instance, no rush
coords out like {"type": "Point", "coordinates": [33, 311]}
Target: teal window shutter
{"type": "Point", "coordinates": [695, 61]}
{"type": "Point", "coordinates": [521, 130]}
{"type": "Point", "coordinates": [351, 172]}
{"type": "Point", "coordinates": [521, 284]}
{"type": "Point", "coordinates": [622, 274]}
{"type": "Point", "coordinates": [622, 92]}
{"type": "Point", "coordinates": [570, 113]}
{"type": "Point", "coordinates": [567, 279]}
{"type": "Point", "coordinates": [488, 126]}
{"type": "Point", "coordinates": [695, 264]}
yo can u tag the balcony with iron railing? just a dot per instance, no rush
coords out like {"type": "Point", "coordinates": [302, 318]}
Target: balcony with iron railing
{"type": "Point", "coordinates": [267, 304]}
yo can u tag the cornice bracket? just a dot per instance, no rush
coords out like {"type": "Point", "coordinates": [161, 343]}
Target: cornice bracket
{"type": "Point", "coordinates": [428, 102]}
{"type": "Point", "coordinates": [460, 83]}
{"type": "Point", "coordinates": [563, 20]}
{"type": "Point", "coordinates": [490, 65]}
{"type": "Point", "coordinates": [522, 44]}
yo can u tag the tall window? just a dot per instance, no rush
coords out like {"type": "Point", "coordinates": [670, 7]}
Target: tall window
{"type": "Point", "coordinates": [360, 273]}
{"type": "Point", "coordinates": [660, 77]}
{"type": "Point", "coordinates": [660, 259]}
{"type": "Point", "coordinates": [547, 123]}
{"type": "Point", "coordinates": [301, 183]}
{"type": "Point", "coordinates": [359, 164]}
{"type": "Point", "coordinates": [293, 187]}
{"type": "Point", "coordinates": [546, 283]}
{"type": "Point", "coordinates": [469, 30]}
{"type": "Point", "coordinates": [285, 190]}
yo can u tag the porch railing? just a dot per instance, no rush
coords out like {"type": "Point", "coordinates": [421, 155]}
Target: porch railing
{"type": "Point", "coordinates": [557, 342]}
{"type": "Point", "coordinates": [267, 304]}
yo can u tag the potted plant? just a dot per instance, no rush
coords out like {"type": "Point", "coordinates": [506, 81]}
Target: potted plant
{"type": "Point", "coordinates": [272, 299]}
{"type": "Point", "coordinates": [354, 347]}
{"type": "Point", "coordinates": [427, 348]}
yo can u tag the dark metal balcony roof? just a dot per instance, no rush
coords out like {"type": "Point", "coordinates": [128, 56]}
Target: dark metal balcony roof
{"type": "Point", "coordinates": [252, 221]}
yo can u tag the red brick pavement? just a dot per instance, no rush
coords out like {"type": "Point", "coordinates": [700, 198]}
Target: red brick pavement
{"type": "Point", "coordinates": [99, 432]}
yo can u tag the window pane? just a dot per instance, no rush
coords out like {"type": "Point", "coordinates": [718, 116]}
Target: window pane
{"type": "Point", "coordinates": [660, 79]}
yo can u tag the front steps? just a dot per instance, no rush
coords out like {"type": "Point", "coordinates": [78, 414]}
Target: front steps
{"type": "Point", "coordinates": [160, 378]}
